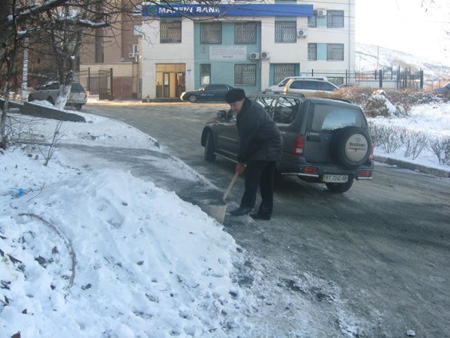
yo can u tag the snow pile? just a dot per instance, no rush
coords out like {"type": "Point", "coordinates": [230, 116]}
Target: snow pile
{"type": "Point", "coordinates": [379, 105]}
{"type": "Point", "coordinates": [147, 263]}
{"type": "Point", "coordinates": [90, 253]}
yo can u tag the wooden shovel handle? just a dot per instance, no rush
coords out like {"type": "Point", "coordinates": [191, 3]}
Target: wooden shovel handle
{"type": "Point", "coordinates": [233, 181]}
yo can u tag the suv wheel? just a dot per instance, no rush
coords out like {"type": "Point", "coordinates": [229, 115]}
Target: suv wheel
{"type": "Point", "coordinates": [30, 98]}
{"type": "Point", "coordinates": [351, 146]}
{"type": "Point", "coordinates": [340, 187]}
{"type": "Point", "coordinates": [78, 106]}
{"type": "Point", "coordinates": [209, 148]}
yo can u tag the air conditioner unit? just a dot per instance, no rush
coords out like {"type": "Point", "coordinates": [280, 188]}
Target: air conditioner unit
{"type": "Point", "coordinates": [131, 55]}
{"type": "Point", "coordinates": [265, 55]}
{"type": "Point", "coordinates": [254, 56]}
{"type": "Point", "coordinates": [321, 12]}
{"type": "Point", "coordinates": [302, 33]}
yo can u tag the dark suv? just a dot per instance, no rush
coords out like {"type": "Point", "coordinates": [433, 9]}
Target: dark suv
{"type": "Point", "coordinates": [325, 140]}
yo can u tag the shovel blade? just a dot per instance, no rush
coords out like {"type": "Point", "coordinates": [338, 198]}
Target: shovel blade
{"type": "Point", "coordinates": [215, 210]}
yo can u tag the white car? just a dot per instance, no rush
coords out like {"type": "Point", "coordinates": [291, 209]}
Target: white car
{"type": "Point", "coordinates": [278, 88]}
{"type": "Point", "coordinates": [308, 86]}
{"type": "Point", "coordinates": [50, 91]}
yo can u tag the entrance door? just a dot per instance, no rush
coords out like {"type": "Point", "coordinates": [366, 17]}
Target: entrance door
{"type": "Point", "coordinates": [170, 80]}
{"type": "Point", "coordinates": [166, 85]}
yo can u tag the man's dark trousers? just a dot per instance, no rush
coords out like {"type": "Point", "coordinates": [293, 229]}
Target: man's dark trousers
{"type": "Point", "coordinates": [259, 172]}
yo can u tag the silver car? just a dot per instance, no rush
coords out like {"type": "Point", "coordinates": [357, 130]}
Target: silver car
{"type": "Point", "coordinates": [50, 91]}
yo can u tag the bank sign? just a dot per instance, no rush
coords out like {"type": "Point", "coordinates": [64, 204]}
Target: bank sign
{"type": "Point", "coordinates": [254, 10]}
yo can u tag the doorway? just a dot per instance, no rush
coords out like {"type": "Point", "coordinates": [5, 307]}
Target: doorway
{"type": "Point", "coordinates": [170, 80]}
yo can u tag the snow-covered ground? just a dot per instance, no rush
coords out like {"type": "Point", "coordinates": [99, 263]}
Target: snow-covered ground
{"type": "Point", "coordinates": [145, 262]}
{"type": "Point", "coordinates": [100, 253]}
{"type": "Point", "coordinates": [430, 119]}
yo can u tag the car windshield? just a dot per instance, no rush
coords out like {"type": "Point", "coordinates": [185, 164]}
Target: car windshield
{"type": "Point", "coordinates": [330, 117]}
{"type": "Point", "coordinates": [282, 83]}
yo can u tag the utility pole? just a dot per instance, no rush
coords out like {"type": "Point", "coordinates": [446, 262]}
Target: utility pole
{"type": "Point", "coordinates": [378, 55]}
{"type": "Point", "coordinates": [25, 71]}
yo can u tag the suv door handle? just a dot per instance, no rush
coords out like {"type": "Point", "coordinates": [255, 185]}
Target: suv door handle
{"type": "Point", "coordinates": [313, 138]}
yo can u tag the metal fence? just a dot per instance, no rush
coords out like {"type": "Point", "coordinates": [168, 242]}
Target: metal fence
{"type": "Point", "coordinates": [383, 78]}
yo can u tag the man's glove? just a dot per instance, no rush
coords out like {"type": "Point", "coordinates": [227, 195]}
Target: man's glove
{"type": "Point", "coordinates": [240, 168]}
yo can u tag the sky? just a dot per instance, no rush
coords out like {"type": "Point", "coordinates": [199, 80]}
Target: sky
{"type": "Point", "coordinates": [413, 26]}
{"type": "Point", "coordinates": [147, 264]}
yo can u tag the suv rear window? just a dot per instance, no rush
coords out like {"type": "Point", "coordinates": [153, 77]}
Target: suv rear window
{"type": "Point", "coordinates": [77, 88]}
{"type": "Point", "coordinates": [330, 117]}
{"type": "Point", "coordinates": [286, 110]}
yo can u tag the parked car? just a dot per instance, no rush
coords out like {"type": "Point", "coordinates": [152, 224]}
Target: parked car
{"type": "Point", "coordinates": [443, 90]}
{"type": "Point", "coordinates": [212, 92]}
{"type": "Point", "coordinates": [325, 140]}
{"type": "Point", "coordinates": [50, 91]}
{"type": "Point", "coordinates": [278, 88]}
{"type": "Point", "coordinates": [308, 86]}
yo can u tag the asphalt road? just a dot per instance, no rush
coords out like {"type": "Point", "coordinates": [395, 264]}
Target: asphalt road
{"type": "Point", "coordinates": [373, 262]}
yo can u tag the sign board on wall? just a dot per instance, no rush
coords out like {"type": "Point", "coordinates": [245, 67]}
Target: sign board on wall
{"type": "Point", "coordinates": [228, 53]}
{"type": "Point", "coordinates": [221, 10]}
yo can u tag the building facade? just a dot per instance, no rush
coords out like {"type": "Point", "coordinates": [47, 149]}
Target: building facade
{"type": "Point", "coordinates": [247, 45]}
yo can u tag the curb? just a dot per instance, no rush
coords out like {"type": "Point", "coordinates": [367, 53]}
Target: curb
{"type": "Point", "coordinates": [42, 111]}
{"type": "Point", "coordinates": [413, 166]}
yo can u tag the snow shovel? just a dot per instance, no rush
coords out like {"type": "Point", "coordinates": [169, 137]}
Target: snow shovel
{"type": "Point", "coordinates": [218, 209]}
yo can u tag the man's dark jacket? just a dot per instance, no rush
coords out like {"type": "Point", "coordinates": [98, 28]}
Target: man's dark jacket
{"type": "Point", "coordinates": [259, 137]}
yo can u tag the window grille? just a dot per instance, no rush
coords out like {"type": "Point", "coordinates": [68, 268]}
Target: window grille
{"type": "Point", "coordinates": [335, 19]}
{"type": "Point", "coordinates": [245, 75]}
{"type": "Point", "coordinates": [312, 51]}
{"type": "Point", "coordinates": [282, 71]}
{"type": "Point", "coordinates": [285, 31]}
{"type": "Point", "coordinates": [205, 74]}
{"type": "Point", "coordinates": [335, 51]}
{"type": "Point", "coordinates": [170, 31]}
{"type": "Point", "coordinates": [211, 32]}
{"type": "Point", "coordinates": [245, 33]}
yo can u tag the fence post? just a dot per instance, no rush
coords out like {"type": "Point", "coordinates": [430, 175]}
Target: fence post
{"type": "Point", "coordinates": [312, 72]}
{"type": "Point", "coordinates": [421, 79]}
{"type": "Point", "coordinates": [112, 86]}
{"type": "Point", "coordinates": [380, 76]}
{"type": "Point", "coordinates": [376, 73]}
{"type": "Point", "coordinates": [89, 80]}
{"type": "Point", "coordinates": [346, 78]}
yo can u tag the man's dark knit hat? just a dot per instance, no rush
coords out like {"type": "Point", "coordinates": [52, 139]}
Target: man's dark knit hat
{"type": "Point", "coordinates": [235, 94]}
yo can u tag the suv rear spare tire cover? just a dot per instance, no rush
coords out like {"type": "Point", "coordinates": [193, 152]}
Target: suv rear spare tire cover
{"type": "Point", "coordinates": [351, 146]}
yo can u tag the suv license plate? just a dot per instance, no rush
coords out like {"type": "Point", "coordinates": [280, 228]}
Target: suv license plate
{"type": "Point", "coordinates": [335, 178]}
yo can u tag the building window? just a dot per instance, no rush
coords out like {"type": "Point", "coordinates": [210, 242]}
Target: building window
{"type": "Point", "coordinates": [205, 74]}
{"type": "Point", "coordinates": [170, 31]}
{"type": "Point", "coordinates": [245, 33]}
{"type": "Point", "coordinates": [282, 71]}
{"type": "Point", "coordinates": [312, 51]}
{"type": "Point", "coordinates": [245, 75]}
{"type": "Point", "coordinates": [211, 32]}
{"type": "Point", "coordinates": [335, 51]}
{"type": "Point", "coordinates": [335, 19]}
{"type": "Point", "coordinates": [285, 31]}
{"type": "Point", "coordinates": [312, 20]}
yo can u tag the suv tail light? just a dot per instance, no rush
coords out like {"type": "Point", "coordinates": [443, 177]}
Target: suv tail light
{"type": "Point", "coordinates": [299, 145]}
{"type": "Point", "coordinates": [372, 147]}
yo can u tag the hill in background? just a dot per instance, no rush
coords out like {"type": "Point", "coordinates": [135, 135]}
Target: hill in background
{"type": "Point", "coordinates": [366, 60]}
